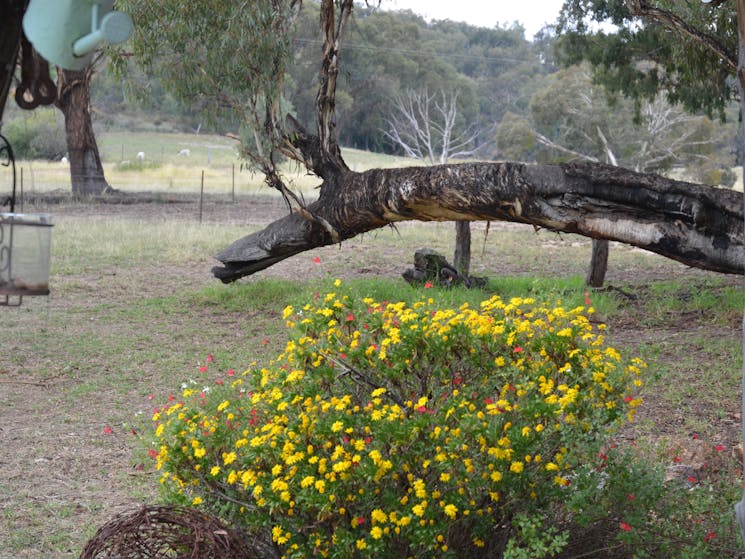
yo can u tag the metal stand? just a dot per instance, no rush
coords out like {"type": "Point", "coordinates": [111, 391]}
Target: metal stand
{"type": "Point", "coordinates": [7, 160]}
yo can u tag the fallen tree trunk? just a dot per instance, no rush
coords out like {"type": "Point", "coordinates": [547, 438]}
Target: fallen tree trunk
{"type": "Point", "coordinates": [697, 225]}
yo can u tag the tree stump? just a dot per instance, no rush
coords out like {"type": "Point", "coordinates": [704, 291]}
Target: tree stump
{"type": "Point", "coordinates": [431, 266]}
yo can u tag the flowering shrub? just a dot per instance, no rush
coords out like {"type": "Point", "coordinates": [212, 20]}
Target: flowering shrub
{"type": "Point", "coordinates": [397, 430]}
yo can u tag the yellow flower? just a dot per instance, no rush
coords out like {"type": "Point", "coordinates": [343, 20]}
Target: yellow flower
{"type": "Point", "coordinates": [197, 501]}
{"type": "Point", "coordinates": [516, 467]}
{"type": "Point", "coordinates": [307, 481]}
{"type": "Point", "coordinates": [279, 536]}
{"type": "Point", "coordinates": [451, 511]}
{"type": "Point", "coordinates": [361, 544]}
{"type": "Point", "coordinates": [215, 470]}
{"type": "Point", "coordinates": [229, 457]}
{"type": "Point", "coordinates": [376, 532]}
{"type": "Point", "coordinates": [418, 509]}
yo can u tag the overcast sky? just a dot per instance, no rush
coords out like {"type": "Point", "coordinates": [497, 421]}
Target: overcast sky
{"type": "Point", "coordinates": [533, 14]}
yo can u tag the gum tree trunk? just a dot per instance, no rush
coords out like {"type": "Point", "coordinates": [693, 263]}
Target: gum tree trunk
{"type": "Point", "coordinates": [11, 15]}
{"type": "Point", "coordinates": [740, 507]}
{"type": "Point", "coordinates": [73, 99]}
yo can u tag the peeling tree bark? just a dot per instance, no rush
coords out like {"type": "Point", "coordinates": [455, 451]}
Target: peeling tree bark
{"type": "Point", "coordinates": [694, 224]}
{"type": "Point", "coordinates": [73, 99]}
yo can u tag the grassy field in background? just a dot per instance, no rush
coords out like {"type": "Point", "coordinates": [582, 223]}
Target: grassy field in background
{"type": "Point", "coordinates": [164, 170]}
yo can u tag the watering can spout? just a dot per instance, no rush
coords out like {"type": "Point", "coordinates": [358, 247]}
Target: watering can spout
{"type": "Point", "coordinates": [67, 32]}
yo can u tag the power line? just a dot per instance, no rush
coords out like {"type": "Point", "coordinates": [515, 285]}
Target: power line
{"type": "Point", "coordinates": [408, 51]}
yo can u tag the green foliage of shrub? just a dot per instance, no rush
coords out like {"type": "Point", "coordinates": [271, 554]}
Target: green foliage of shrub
{"type": "Point", "coordinates": [403, 430]}
{"type": "Point", "coordinates": [37, 135]}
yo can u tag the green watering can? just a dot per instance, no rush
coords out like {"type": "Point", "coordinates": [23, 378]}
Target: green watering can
{"type": "Point", "coordinates": [67, 32]}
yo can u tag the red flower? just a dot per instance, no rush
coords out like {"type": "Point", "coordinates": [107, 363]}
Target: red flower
{"type": "Point", "coordinates": [230, 372]}
{"type": "Point", "coordinates": [710, 536]}
{"type": "Point", "coordinates": [264, 341]}
{"type": "Point", "coordinates": [692, 479]}
{"type": "Point", "coordinates": [587, 298]}
{"type": "Point", "coordinates": [209, 358]}
{"type": "Point", "coordinates": [350, 317]}
{"type": "Point", "coordinates": [627, 399]}
{"type": "Point", "coordinates": [631, 496]}
{"type": "Point", "coordinates": [150, 396]}
{"type": "Point", "coordinates": [625, 527]}
{"type": "Point", "coordinates": [517, 349]}
{"type": "Point", "coordinates": [719, 448]}
{"type": "Point", "coordinates": [428, 285]}
{"type": "Point", "coordinates": [203, 369]}
{"type": "Point", "coordinates": [219, 381]}
{"type": "Point", "coordinates": [316, 260]}
{"type": "Point", "coordinates": [676, 459]}
{"type": "Point", "coordinates": [108, 430]}
{"type": "Point", "coordinates": [152, 454]}
{"type": "Point", "coordinates": [360, 520]}
{"type": "Point", "coordinates": [695, 436]}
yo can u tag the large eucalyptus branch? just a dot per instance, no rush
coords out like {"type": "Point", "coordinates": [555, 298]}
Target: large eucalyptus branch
{"type": "Point", "coordinates": [697, 225]}
{"type": "Point", "coordinates": [642, 8]}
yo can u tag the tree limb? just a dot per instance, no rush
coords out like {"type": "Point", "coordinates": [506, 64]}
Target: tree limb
{"type": "Point", "coordinates": [697, 225]}
{"type": "Point", "coordinates": [642, 8]}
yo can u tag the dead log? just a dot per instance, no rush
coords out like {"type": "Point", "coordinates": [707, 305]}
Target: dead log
{"type": "Point", "coordinates": [694, 224]}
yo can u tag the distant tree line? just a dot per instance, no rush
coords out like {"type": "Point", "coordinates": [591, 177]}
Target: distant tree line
{"type": "Point", "coordinates": [511, 94]}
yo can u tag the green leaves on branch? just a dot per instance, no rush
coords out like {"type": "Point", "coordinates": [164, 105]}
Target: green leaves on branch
{"type": "Point", "coordinates": [683, 49]}
{"type": "Point", "coordinates": [228, 57]}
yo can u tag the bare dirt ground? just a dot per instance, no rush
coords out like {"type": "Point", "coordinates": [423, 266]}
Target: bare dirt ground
{"type": "Point", "coordinates": [72, 418]}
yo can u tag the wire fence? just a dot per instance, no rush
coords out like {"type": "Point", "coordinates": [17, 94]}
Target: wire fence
{"type": "Point", "coordinates": [223, 180]}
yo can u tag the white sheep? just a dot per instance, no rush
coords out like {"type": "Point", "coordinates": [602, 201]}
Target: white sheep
{"type": "Point", "coordinates": [64, 160]}
{"type": "Point", "coordinates": [185, 153]}
{"type": "Point", "coordinates": [140, 156]}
